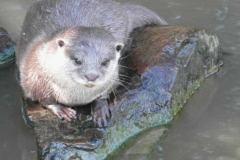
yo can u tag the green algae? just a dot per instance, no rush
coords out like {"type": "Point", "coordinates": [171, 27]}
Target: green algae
{"type": "Point", "coordinates": [145, 124]}
{"type": "Point", "coordinates": [130, 142]}
{"type": "Point", "coordinates": [180, 98]}
{"type": "Point", "coordinates": [8, 55]}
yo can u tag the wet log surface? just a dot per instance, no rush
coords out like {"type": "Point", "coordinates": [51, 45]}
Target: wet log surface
{"type": "Point", "coordinates": [159, 71]}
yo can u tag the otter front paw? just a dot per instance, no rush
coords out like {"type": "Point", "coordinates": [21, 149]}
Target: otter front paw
{"type": "Point", "coordinates": [100, 112]}
{"type": "Point", "coordinates": [62, 112]}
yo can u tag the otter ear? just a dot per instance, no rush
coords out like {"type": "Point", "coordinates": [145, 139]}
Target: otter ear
{"type": "Point", "coordinates": [119, 47]}
{"type": "Point", "coordinates": [61, 43]}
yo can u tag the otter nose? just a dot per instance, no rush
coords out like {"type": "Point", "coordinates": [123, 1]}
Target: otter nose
{"type": "Point", "coordinates": [91, 76]}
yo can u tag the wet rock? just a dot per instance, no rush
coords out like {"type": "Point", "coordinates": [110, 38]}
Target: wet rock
{"type": "Point", "coordinates": [159, 72]}
{"type": "Point", "coordinates": [142, 146]}
{"type": "Point", "coordinates": [7, 48]}
{"type": "Point", "coordinates": [145, 144]}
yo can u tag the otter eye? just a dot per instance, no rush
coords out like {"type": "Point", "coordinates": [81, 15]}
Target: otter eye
{"type": "Point", "coordinates": [61, 43]}
{"type": "Point", "coordinates": [119, 47]}
{"type": "Point", "coordinates": [105, 63]}
{"type": "Point", "coordinates": [77, 61]}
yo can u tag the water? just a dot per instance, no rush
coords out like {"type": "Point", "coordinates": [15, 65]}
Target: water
{"type": "Point", "coordinates": [16, 140]}
{"type": "Point", "coordinates": [209, 125]}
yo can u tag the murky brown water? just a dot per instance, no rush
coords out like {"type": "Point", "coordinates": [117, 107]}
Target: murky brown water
{"type": "Point", "coordinates": [209, 126]}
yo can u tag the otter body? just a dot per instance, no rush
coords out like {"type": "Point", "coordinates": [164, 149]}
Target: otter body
{"type": "Point", "coordinates": [68, 52]}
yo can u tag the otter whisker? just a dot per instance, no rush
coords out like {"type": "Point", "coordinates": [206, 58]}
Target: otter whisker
{"type": "Point", "coordinates": [125, 76]}
{"type": "Point", "coordinates": [125, 67]}
{"type": "Point", "coordinates": [125, 57]}
{"type": "Point", "coordinates": [119, 82]}
{"type": "Point", "coordinates": [125, 82]}
{"type": "Point", "coordinates": [113, 92]}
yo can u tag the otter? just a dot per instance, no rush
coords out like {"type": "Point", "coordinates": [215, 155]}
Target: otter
{"type": "Point", "coordinates": [68, 52]}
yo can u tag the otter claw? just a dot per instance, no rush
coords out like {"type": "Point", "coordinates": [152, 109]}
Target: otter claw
{"type": "Point", "coordinates": [62, 112]}
{"type": "Point", "coordinates": [100, 122]}
{"type": "Point", "coordinates": [100, 113]}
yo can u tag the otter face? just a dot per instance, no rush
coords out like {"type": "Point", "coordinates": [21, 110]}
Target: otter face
{"type": "Point", "coordinates": [91, 62]}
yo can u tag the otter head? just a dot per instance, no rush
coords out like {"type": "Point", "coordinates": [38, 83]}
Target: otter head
{"type": "Point", "coordinates": [89, 56]}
